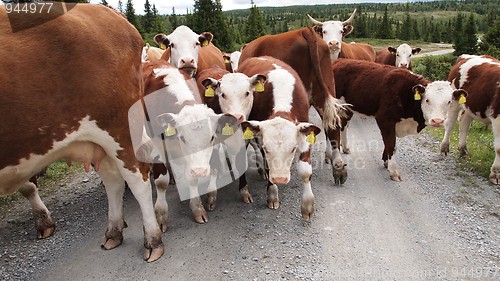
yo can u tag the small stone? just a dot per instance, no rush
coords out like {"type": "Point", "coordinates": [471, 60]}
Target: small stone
{"type": "Point", "coordinates": [225, 271]}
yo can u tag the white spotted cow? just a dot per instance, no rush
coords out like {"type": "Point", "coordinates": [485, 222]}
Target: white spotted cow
{"type": "Point", "coordinates": [400, 57]}
{"type": "Point", "coordinates": [480, 77]}
{"type": "Point", "coordinates": [74, 106]}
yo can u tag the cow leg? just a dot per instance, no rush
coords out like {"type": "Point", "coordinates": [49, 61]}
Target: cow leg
{"type": "Point", "coordinates": [199, 213]}
{"type": "Point", "coordinates": [212, 190]}
{"type": "Point", "coordinates": [343, 140]}
{"type": "Point", "coordinates": [338, 165]}
{"type": "Point", "coordinates": [259, 160]}
{"type": "Point", "coordinates": [304, 169]}
{"type": "Point", "coordinates": [243, 185]}
{"type": "Point", "coordinates": [273, 200]}
{"type": "Point", "coordinates": [465, 123]}
{"type": "Point", "coordinates": [388, 131]}
{"type": "Point", "coordinates": [495, 168]}
{"type": "Point", "coordinates": [328, 149]}
{"type": "Point", "coordinates": [44, 224]}
{"type": "Point", "coordinates": [141, 189]}
{"type": "Point", "coordinates": [450, 122]}
{"type": "Point", "coordinates": [161, 205]}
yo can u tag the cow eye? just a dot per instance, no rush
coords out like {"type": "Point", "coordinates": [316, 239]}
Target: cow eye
{"type": "Point", "coordinates": [325, 32]}
{"type": "Point", "coordinates": [247, 94]}
{"type": "Point", "coordinates": [449, 102]}
{"type": "Point", "coordinates": [212, 139]}
{"type": "Point", "coordinates": [183, 139]}
{"type": "Point", "coordinates": [223, 95]}
{"type": "Point", "coordinates": [427, 101]}
{"type": "Point", "coordinates": [171, 45]}
{"type": "Point", "coordinates": [198, 43]}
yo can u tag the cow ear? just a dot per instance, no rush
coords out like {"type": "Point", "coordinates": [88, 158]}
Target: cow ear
{"type": "Point", "coordinates": [227, 124]}
{"type": "Point", "coordinates": [205, 38]}
{"type": "Point", "coordinates": [250, 129]}
{"type": "Point", "coordinates": [460, 95]}
{"type": "Point", "coordinates": [392, 50]}
{"type": "Point", "coordinates": [257, 82]}
{"type": "Point", "coordinates": [161, 40]}
{"type": "Point", "coordinates": [310, 131]}
{"type": "Point", "coordinates": [210, 85]}
{"type": "Point", "coordinates": [418, 92]}
{"type": "Point", "coordinates": [415, 50]}
{"type": "Point", "coordinates": [167, 122]}
{"type": "Point", "coordinates": [318, 29]}
{"type": "Point", "coordinates": [347, 29]}
{"type": "Point", "coordinates": [227, 58]}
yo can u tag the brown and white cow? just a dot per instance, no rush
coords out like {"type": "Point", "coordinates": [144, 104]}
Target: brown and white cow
{"type": "Point", "coordinates": [279, 120]}
{"type": "Point", "coordinates": [189, 51]}
{"type": "Point", "coordinates": [231, 60]}
{"type": "Point", "coordinates": [333, 32]}
{"type": "Point", "coordinates": [400, 57]}
{"type": "Point", "coordinates": [88, 92]}
{"type": "Point", "coordinates": [152, 53]}
{"type": "Point", "coordinates": [402, 102]}
{"type": "Point", "coordinates": [480, 77]}
{"type": "Point", "coordinates": [309, 56]}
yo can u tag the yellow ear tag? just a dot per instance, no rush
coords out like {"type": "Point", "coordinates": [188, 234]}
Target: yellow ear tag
{"type": "Point", "coordinates": [227, 130]}
{"type": "Point", "coordinates": [205, 43]}
{"type": "Point", "coordinates": [248, 134]}
{"type": "Point", "coordinates": [311, 138]}
{"type": "Point", "coordinates": [209, 92]}
{"type": "Point", "coordinates": [259, 88]}
{"type": "Point", "coordinates": [226, 60]}
{"type": "Point", "coordinates": [462, 99]}
{"type": "Point", "coordinates": [162, 46]}
{"type": "Point", "coordinates": [170, 130]}
{"type": "Point", "coordinates": [417, 96]}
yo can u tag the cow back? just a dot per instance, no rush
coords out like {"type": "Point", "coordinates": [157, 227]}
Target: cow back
{"type": "Point", "coordinates": [210, 56]}
{"type": "Point", "coordinates": [357, 51]}
{"type": "Point", "coordinates": [383, 56]}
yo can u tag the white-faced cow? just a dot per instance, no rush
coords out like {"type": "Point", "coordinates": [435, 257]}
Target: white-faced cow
{"type": "Point", "coordinates": [152, 53]}
{"type": "Point", "coordinates": [480, 77]}
{"type": "Point", "coordinates": [309, 56]}
{"type": "Point", "coordinates": [231, 60]}
{"type": "Point", "coordinates": [189, 51]}
{"type": "Point", "coordinates": [88, 92]}
{"type": "Point", "coordinates": [402, 102]}
{"type": "Point", "coordinates": [191, 133]}
{"type": "Point", "coordinates": [279, 119]}
{"type": "Point", "coordinates": [333, 32]}
{"type": "Point", "coordinates": [400, 57]}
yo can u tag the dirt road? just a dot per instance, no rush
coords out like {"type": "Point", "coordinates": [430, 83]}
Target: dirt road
{"type": "Point", "coordinates": [432, 226]}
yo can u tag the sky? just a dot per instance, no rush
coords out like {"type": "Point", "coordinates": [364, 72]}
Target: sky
{"type": "Point", "coordinates": [181, 6]}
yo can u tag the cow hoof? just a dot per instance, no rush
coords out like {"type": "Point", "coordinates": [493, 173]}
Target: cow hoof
{"type": "Point", "coordinates": [463, 151]}
{"type": "Point", "coordinates": [211, 203]}
{"type": "Point", "coordinates": [495, 178]}
{"type": "Point", "coordinates": [45, 233]}
{"type": "Point", "coordinates": [307, 209]}
{"type": "Point", "coordinates": [245, 195]}
{"type": "Point", "coordinates": [396, 178]}
{"type": "Point", "coordinates": [111, 243]}
{"type": "Point", "coordinates": [445, 149]}
{"type": "Point", "coordinates": [386, 164]}
{"type": "Point", "coordinates": [346, 150]}
{"type": "Point", "coordinates": [273, 201]}
{"type": "Point", "coordinates": [201, 217]}
{"type": "Point", "coordinates": [273, 204]}
{"type": "Point", "coordinates": [44, 224]}
{"type": "Point", "coordinates": [151, 255]}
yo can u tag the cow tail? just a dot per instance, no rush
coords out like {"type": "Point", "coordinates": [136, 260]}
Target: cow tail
{"type": "Point", "coordinates": [333, 109]}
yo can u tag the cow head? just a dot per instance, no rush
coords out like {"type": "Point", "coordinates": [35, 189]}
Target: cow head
{"type": "Point", "coordinates": [436, 100]}
{"type": "Point", "coordinates": [403, 54]}
{"type": "Point", "coordinates": [197, 129]}
{"type": "Point", "coordinates": [234, 58]}
{"type": "Point", "coordinates": [235, 92]}
{"type": "Point", "coordinates": [183, 44]}
{"type": "Point", "coordinates": [280, 139]}
{"type": "Point", "coordinates": [333, 32]}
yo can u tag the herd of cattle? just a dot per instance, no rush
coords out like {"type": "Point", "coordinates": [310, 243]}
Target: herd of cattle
{"type": "Point", "coordinates": [66, 99]}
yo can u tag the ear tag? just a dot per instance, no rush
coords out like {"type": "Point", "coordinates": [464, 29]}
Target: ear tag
{"type": "Point", "coordinates": [311, 138]}
{"type": "Point", "coordinates": [417, 96]}
{"type": "Point", "coordinates": [248, 134]}
{"type": "Point", "coordinates": [462, 99]}
{"type": "Point", "coordinates": [209, 91]}
{"type": "Point", "coordinates": [170, 130]}
{"type": "Point", "coordinates": [227, 130]}
{"type": "Point", "coordinates": [259, 88]}
{"type": "Point", "coordinates": [162, 46]}
{"type": "Point", "coordinates": [226, 60]}
{"type": "Point", "coordinates": [205, 43]}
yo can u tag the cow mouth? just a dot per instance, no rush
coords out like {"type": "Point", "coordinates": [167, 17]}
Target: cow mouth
{"type": "Point", "coordinates": [191, 71]}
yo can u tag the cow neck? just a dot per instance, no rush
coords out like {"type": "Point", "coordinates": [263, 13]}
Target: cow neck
{"type": "Point", "coordinates": [285, 115]}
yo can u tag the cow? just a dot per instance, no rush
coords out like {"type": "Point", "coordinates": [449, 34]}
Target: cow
{"type": "Point", "coordinates": [151, 52]}
{"type": "Point", "coordinates": [88, 92]}
{"type": "Point", "coordinates": [231, 60]}
{"type": "Point", "coordinates": [309, 56]}
{"type": "Point", "coordinates": [191, 132]}
{"type": "Point", "coordinates": [279, 120]}
{"type": "Point", "coordinates": [333, 33]}
{"type": "Point", "coordinates": [189, 51]}
{"type": "Point", "coordinates": [402, 102]}
{"type": "Point", "coordinates": [480, 77]}
{"type": "Point", "coordinates": [400, 57]}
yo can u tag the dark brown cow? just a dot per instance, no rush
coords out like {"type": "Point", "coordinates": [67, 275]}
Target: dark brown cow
{"type": "Point", "coordinates": [402, 102]}
{"type": "Point", "coordinates": [309, 56]}
{"type": "Point", "coordinates": [73, 69]}
{"type": "Point", "coordinates": [279, 120]}
{"type": "Point", "coordinates": [480, 77]}
{"type": "Point", "coordinates": [400, 57]}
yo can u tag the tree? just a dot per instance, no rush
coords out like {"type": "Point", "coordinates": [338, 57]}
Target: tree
{"type": "Point", "coordinates": [173, 19]}
{"type": "Point", "coordinates": [131, 17]}
{"type": "Point", "coordinates": [256, 26]}
{"type": "Point", "coordinates": [406, 28]}
{"type": "Point", "coordinates": [458, 40]}
{"type": "Point", "coordinates": [470, 37]}
{"type": "Point", "coordinates": [120, 6]}
{"type": "Point", "coordinates": [104, 2]}
{"type": "Point", "coordinates": [158, 23]}
{"type": "Point", "coordinates": [149, 18]}
{"type": "Point", "coordinates": [208, 16]}
{"type": "Point", "coordinates": [385, 29]}
{"type": "Point", "coordinates": [491, 40]}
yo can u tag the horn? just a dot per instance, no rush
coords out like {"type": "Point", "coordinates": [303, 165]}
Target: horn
{"type": "Point", "coordinates": [350, 18]}
{"type": "Point", "coordinates": [314, 20]}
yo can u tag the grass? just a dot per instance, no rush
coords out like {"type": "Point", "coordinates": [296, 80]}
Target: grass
{"type": "Point", "coordinates": [479, 144]}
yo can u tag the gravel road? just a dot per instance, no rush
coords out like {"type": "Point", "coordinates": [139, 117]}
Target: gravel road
{"type": "Point", "coordinates": [434, 225]}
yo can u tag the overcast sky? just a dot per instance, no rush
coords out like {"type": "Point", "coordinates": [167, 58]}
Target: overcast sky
{"type": "Point", "coordinates": [165, 6]}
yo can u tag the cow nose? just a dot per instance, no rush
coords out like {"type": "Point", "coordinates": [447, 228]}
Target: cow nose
{"type": "Point", "coordinates": [437, 122]}
{"type": "Point", "coordinates": [239, 117]}
{"type": "Point", "coordinates": [280, 180]}
{"type": "Point", "coordinates": [333, 44]}
{"type": "Point", "coordinates": [187, 61]}
{"type": "Point", "coordinates": [403, 64]}
{"type": "Point", "coordinates": [199, 172]}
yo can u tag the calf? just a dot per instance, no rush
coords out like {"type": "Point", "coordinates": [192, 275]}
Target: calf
{"type": "Point", "coordinates": [400, 57]}
{"type": "Point", "coordinates": [152, 53]}
{"type": "Point", "coordinates": [231, 60]}
{"type": "Point", "coordinates": [480, 77]}
{"type": "Point", "coordinates": [279, 120]}
{"type": "Point", "coordinates": [402, 102]}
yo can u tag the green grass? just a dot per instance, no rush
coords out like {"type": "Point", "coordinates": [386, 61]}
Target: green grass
{"type": "Point", "coordinates": [479, 144]}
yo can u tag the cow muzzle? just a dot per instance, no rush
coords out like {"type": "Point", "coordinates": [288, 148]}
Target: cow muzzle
{"type": "Point", "coordinates": [280, 180]}
{"type": "Point", "coordinates": [437, 122]}
{"type": "Point", "coordinates": [334, 45]}
{"type": "Point", "coordinates": [199, 172]}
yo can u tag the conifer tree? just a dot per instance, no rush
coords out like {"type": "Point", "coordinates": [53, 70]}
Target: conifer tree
{"type": "Point", "coordinates": [458, 32]}
{"type": "Point", "coordinates": [120, 6]}
{"type": "Point", "coordinates": [149, 18]}
{"type": "Point", "coordinates": [470, 37]}
{"type": "Point", "coordinates": [256, 25]}
{"type": "Point", "coordinates": [131, 17]}
{"type": "Point", "coordinates": [385, 29]}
